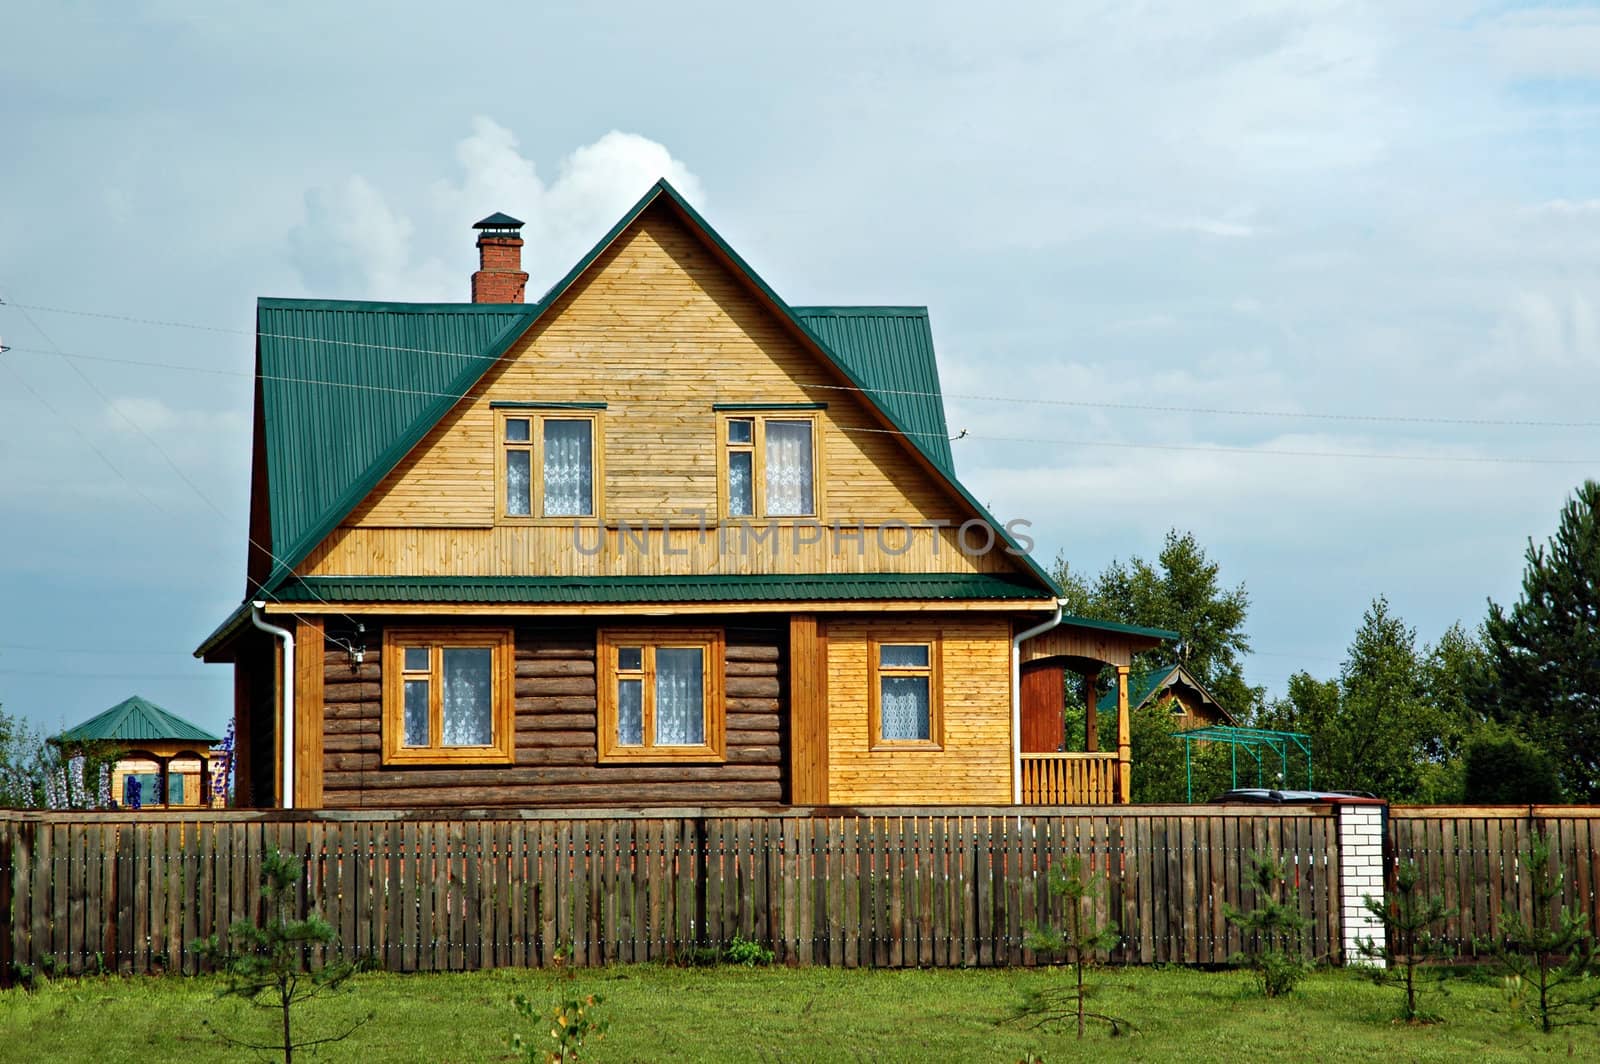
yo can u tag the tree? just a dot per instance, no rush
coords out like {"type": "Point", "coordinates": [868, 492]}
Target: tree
{"type": "Point", "coordinates": [1549, 957]}
{"type": "Point", "coordinates": [1274, 930]}
{"type": "Point", "coordinates": [1545, 652]}
{"type": "Point", "coordinates": [1081, 939]}
{"type": "Point", "coordinates": [1500, 768]}
{"type": "Point", "coordinates": [268, 964]}
{"type": "Point", "coordinates": [1408, 920]}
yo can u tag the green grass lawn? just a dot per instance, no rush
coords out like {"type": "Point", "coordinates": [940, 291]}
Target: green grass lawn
{"type": "Point", "coordinates": [673, 1014]}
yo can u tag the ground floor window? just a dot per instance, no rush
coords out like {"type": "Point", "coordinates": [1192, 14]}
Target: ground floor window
{"type": "Point", "coordinates": [904, 691]}
{"type": "Point", "coordinates": [447, 696]}
{"type": "Point", "coordinates": [660, 694]}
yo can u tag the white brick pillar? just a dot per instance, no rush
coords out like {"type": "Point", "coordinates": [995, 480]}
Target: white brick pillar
{"type": "Point", "coordinates": [1361, 872]}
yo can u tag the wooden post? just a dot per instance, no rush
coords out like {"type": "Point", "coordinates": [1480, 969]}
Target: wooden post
{"type": "Point", "coordinates": [808, 711]}
{"type": "Point", "coordinates": [1091, 717]}
{"type": "Point", "coordinates": [1124, 740]}
{"type": "Point", "coordinates": [308, 642]}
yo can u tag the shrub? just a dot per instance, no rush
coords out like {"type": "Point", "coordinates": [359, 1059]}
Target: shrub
{"type": "Point", "coordinates": [748, 953]}
{"type": "Point", "coordinates": [1504, 769]}
{"type": "Point", "coordinates": [1274, 929]}
{"type": "Point", "coordinates": [572, 1027]}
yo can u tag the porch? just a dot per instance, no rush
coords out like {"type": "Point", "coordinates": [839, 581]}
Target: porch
{"type": "Point", "coordinates": [1054, 767]}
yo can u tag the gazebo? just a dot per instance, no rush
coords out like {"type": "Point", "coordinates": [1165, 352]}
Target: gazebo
{"type": "Point", "coordinates": [162, 760]}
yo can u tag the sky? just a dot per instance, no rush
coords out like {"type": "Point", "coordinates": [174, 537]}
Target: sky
{"type": "Point", "coordinates": [1316, 281]}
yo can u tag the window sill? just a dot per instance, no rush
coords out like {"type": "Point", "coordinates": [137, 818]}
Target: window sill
{"type": "Point", "coordinates": [906, 746]}
{"type": "Point", "coordinates": [445, 757]}
{"type": "Point", "coordinates": [698, 755]}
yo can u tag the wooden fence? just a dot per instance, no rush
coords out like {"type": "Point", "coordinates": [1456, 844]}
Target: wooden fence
{"type": "Point", "coordinates": [1474, 856]}
{"type": "Point", "coordinates": [90, 892]}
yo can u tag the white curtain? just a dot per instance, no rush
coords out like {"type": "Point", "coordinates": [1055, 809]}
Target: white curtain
{"type": "Point", "coordinates": [680, 696]}
{"type": "Point", "coordinates": [789, 469]}
{"type": "Point", "coordinates": [416, 712]}
{"type": "Point", "coordinates": [568, 468]}
{"type": "Point", "coordinates": [519, 478]}
{"type": "Point", "coordinates": [468, 696]}
{"type": "Point", "coordinates": [741, 493]}
{"type": "Point", "coordinates": [903, 707]}
{"type": "Point", "coordinates": [630, 712]}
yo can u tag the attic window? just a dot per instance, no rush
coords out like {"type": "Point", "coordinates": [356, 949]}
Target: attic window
{"type": "Point", "coordinates": [769, 466]}
{"type": "Point", "coordinates": [548, 465]}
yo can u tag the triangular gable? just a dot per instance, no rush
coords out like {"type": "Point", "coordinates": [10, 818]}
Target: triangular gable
{"type": "Point", "coordinates": [1143, 688]}
{"type": "Point", "coordinates": [404, 366]}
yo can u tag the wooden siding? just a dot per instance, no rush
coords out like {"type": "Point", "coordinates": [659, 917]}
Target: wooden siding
{"type": "Point", "coordinates": [659, 330]}
{"type": "Point", "coordinates": [808, 700]}
{"type": "Point", "coordinates": [556, 758]}
{"type": "Point", "coordinates": [974, 764]}
{"type": "Point", "coordinates": [1066, 641]}
{"type": "Point", "coordinates": [309, 669]}
{"type": "Point", "coordinates": [1043, 689]}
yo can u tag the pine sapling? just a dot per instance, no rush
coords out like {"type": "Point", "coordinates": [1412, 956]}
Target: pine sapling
{"type": "Point", "coordinates": [1548, 959]}
{"type": "Point", "coordinates": [269, 963]}
{"type": "Point", "coordinates": [1274, 930]}
{"type": "Point", "coordinates": [1409, 922]}
{"type": "Point", "coordinates": [1081, 939]}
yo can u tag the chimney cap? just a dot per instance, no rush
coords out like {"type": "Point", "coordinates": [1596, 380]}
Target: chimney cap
{"type": "Point", "coordinates": [498, 220]}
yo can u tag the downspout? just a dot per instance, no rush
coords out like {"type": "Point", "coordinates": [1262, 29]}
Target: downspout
{"type": "Point", "coordinates": [1016, 699]}
{"type": "Point", "coordinates": [287, 639]}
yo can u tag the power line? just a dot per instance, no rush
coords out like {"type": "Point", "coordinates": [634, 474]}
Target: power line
{"type": "Point", "coordinates": [1212, 411]}
{"type": "Point", "coordinates": [1488, 460]}
{"type": "Point", "coordinates": [260, 587]}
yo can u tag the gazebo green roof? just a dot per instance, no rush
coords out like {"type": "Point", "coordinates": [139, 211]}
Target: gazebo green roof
{"type": "Point", "coordinates": [136, 720]}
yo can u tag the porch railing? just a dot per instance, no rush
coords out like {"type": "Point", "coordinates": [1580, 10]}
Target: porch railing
{"type": "Point", "coordinates": [1069, 779]}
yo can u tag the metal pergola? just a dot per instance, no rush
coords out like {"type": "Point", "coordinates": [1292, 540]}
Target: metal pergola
{"type": "Point", "coordinates": [1253, 741]}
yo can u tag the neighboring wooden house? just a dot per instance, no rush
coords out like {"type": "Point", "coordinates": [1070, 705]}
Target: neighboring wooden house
{"type": "Point", "coordinates": [1186, 698]}
{"type": "Point", "coordinates": [161, 757]}
{"type": "Point", "coordinates": [658, 538]}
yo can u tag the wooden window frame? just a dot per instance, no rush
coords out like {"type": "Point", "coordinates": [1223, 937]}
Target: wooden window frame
{"type": "Point", "coordinates": [608, 641]}
{"type": "Point", "coordinates": [535, 450]}
{"type": "Point", "coordinates": [875, 674]}
{"type": "Point", "coordinates": [501, 642]}
{"type": "Point", "coordinates": [757, 448]}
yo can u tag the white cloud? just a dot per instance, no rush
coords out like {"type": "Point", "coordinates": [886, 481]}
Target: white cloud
{"type": "Point", "coordinates": [353, 242]}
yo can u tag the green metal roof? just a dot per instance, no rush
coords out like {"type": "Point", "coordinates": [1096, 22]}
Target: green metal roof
{"type": "Point", "coordinates": [891, 350]}
{"type": "Point", "coordinates": [136, 720]}
{"type": "Point", "coordinates": [1118, 626]}
{"type": "Point", "coordinates": [1142, 685]}
{"type": "Point", "coordinates": [827, 587]}
{"type": "Point", "coordinates": [348, 388]}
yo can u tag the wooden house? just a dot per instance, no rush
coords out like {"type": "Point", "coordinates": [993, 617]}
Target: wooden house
{"type": "Point", "coordinates": [1183, 696]}
{"type": "Point", "coordinates": [656, 538]}
{"type": "Point", "coordinates": [161, 760]}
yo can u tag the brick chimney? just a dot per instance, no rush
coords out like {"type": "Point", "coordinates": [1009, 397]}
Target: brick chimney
{"type": "Point", "coordinates": [499, 278]}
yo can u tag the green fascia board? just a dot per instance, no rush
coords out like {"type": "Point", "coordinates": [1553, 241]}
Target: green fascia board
{"type": "Point", "coordinates": [302, 536]}
{"type": "Point", "coordinates": [759, 407]}
{"type": "Point", "coordinates": [842, 587]}
{"type": "Point", "coordinates": [534, 404]}
{"type": "Point", "coordinates": [135, 720]}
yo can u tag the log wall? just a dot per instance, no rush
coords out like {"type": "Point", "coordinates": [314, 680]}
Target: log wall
{"type": "Point", "coordinates": [556, 754]}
